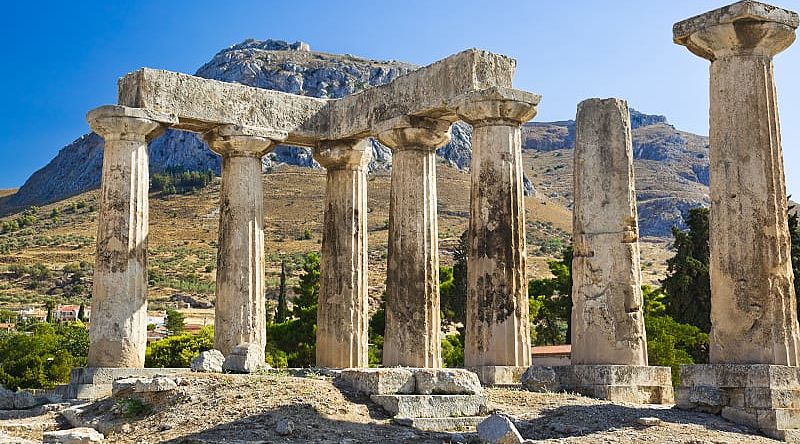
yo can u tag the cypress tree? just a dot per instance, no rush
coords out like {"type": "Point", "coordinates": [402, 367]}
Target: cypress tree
{"type": "Point", "coordinates": [687, 284]}
{"type": "Point", "coordinates": [282, 312]}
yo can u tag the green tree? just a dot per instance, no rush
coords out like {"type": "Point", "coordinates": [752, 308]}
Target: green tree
{"type": "Point", "coordinates": [7, 316]}
{"type": "Point", "coordinates": [293, 341]}
{"type": "Point", "coordinates": [453, 285]}
{"type": "Point", "coordinates": [550, 302]}
{"type": "Point", "coordinates": [50, 305]}
{"type": "Point", "coordinates": [175, 322]}
{"type": "Point", "coordinates": [377, 328]}
{"type": "Point", "coordinates": [453, 350]}
{"type": "Point", "coordinates": [282, 311]}
{"type": "Point", "coordinates": [82, 313]}
{"type": "Point", "coordinates": [42, 356]}
{"type": "Point", "coordinates": [687, 285]}
{"type": "Point", "coordinates": [794, 233]}
{"type": "Point", "coordinates": [179, 350]}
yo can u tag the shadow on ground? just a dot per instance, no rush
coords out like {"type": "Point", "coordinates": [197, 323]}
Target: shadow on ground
{"type": "Point", "coordinates": [576, 421]}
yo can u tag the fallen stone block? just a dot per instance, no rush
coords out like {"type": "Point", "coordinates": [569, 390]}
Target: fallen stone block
{"type": "Point", "coordinates": [648, 421]}
{"type": "Point", "coordinates": [124, 385]}
{"type": "Point", "coordinates": [498, 429]}
{"type": "Point", "coordinates": [245, 358]}
{"type": "Point", "coordinates": [157, 384]}
{"type": "Point", "coordinates": [79, 435]}
{"type": "Point", "coordinates": [284, 427]}
{"type": "Point", "coordinates": [447, 382]}
{"type": "Point", "coordinates": [431, 406]}
{"type": "Point", "coordinates": [210, 361]}
{"type": "Point", "coordinates": [539, 378]}
{"type": "Point", "coordinates": [380, 381]}
{"type": "Point", "coordinates": [442, 425]}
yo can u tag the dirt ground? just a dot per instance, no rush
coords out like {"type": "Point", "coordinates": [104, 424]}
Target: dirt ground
{"type": "Point", "coordinates": [247, 409]}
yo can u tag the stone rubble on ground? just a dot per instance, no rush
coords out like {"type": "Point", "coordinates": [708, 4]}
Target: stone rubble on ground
{"type": "Point", "coordinates": [21, 400]}
{"type": "Point", "coordinates": [79, 435]}
{"type": "Point", "coordinates": [209, 361]}
{"type": "Point", "coordinates": [499, 429]}
{"type": "Point", "coordinates": [284, 427]}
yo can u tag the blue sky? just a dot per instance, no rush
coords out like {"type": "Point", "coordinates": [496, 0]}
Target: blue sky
{"type": "Point", "coordinates": [61, 59]}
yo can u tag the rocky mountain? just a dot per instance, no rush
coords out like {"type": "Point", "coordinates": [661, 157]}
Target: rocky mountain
{"type": "Point", "coordinates": [673, 164]}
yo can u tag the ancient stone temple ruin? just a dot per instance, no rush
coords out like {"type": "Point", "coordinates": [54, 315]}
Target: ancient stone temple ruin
{"type": "Point", "coordinates": [412, 115]}
{"type": "Point", "coordinates": [753, 376]}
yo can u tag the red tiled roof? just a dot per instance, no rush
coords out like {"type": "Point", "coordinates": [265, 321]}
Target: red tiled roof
{"type": "Point", "coordinates": [549, 350]}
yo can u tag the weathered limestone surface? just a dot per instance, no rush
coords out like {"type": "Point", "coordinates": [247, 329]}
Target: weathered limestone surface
{"type": "Point", "coordinates": [202, 104]}
{"type": "Point", "coordinates": [497, 332]}
{"type": "Point", "coordinates": [119, 297]}
{"type": "Point", "coordinates": [342, 312]}
{"type": "Point", "coordinates": [607, 320]}
{"type": "Point", "coordinates": [240, 312]}
{"type": "Point", "coordinates": [637, 384]}
{"type": "Point", "coordinates": [428, 91]}
{"type": "Point", "coordinates": [763, 396]}
{"type": "Point", "coordinates": [753, 308]}
{"type": "Point", "coordinates": [380, 381]}
{"type": "Point", "coordinates": [413, 321]}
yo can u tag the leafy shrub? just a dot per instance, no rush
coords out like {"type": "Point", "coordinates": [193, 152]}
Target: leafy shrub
{"type": "Point", "coordinates": [179, 180]}
{"type": "Point", "coordinates": [43, 356]}
{"type": "Point", "coordinates": [179, 350]}
{"type": "Point", "coordinates": [453, 350]}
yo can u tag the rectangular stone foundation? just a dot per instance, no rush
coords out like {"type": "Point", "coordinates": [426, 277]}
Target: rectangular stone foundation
{"type": "Point", "coordinates": [617, 383]}
{"type": "Point", "coordinates": [499, 375]}
{"type": "Point", "coordinates": [762, 396]}
{"type": "Point", "coordinates": [91, 383]}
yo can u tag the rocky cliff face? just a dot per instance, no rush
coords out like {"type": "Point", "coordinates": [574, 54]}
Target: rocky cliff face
{"type": "Point", "coordinates": [293, 67]}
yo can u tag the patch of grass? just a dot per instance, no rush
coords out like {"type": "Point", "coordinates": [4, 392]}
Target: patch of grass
{"type": "Point", "coordinates": [134, 408]}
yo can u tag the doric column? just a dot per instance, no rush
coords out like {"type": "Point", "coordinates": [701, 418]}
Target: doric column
{"type": "Point", "coordinates": [497, 331]}
{"type": "Point", "coordinates": [753, 304]}
{"type": "Point", "coordinates": [342, 311]}
{"type": "Point", "coordinates": [607, 320]}
{"type": "Point", "coordinates": [118, 335]}
{"type": "Point", "coordinates": [413, 321]}
{"type": "Point", "coordinates": [240, 312]}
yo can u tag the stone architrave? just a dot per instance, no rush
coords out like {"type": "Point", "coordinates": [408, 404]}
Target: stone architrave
{"type": "Point", "coordinates": [413, 323]}
{"type": "Point", "coordinates": [118, 335]}
{"type": "Point", "coordinates": [753, 307]}
{"type": "Point", "coordinates": [342, 312]}
{"type": "Point", "coordinates": [607, 320]}
{"type": "Point", "coordinates": [240, 311]}
{"type": "Point", "coordinates": [497, 330]}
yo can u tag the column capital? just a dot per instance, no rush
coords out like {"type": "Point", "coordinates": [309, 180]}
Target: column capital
{"type": "Point", "coordinates": [346, 154]}
{"type": "Point", "coordinates": [116, 122]}
{"type": "Point", "coordinates": [242, 140]}
{"type": "Point", "coordinates": [497, 106]}
{"type": "Point", "coordinates": [413, 132]}
{"type": "Point", "coordinates": [741, 29]}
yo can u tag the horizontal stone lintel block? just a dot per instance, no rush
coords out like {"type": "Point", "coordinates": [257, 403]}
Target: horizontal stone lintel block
{"type": "Point", "coordinates": [433, 91]}
{"type": "Point", "coordinates": [601, 374]}
{"type": "Point", "coordinates": [740, 376]}
{"type": "Point", "coordinates": [431, 406]}
{"type": "Point", "coordinates": [203, 104]}
{"type": "Point", "coordinates": [743, 10]}
{"type": "Point", "coordinates": [107, 111]}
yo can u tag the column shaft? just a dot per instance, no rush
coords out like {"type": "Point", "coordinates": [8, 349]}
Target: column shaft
{"type": "Point", "coordinates": [497, 332]}
{"type": "Point", "coordinates": [607, 319]}
{"type": "Point", "coordinates": [750, 263]}
{"type": "Point", "coordinates": [412, 284]}
{"type": "Point", "coordinates": [240, 306]}
{"type": "Point", "coordinates": [342, 312]}
{"type": "Point", "coordinates": [118, 335]}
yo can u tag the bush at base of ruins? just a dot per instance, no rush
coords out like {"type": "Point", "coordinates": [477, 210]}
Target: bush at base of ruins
{"type": "Point", "coordinates": [453, 350]}
{"type": "Point", "coordinates": [42, 356]}
{"type": "Point", "coordinates": [179, 350]}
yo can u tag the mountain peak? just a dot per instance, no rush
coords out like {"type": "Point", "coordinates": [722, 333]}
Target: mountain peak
{"type": "Point", "coordinates": [269, 45]}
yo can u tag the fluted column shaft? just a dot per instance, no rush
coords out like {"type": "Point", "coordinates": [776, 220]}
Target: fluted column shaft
{"type": "Point", "coordinates": [118, 335]}
{"type": "Point", "coordinates": [240, 311]}
{"type": "Point", "coordinates": [498, 329]}
{"type": "Point", "coordinates": [343, 308]}
{"type": "Point", "coordinates": [753, 307]}
{"type": "Point", "coordinates": [413, 318]}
